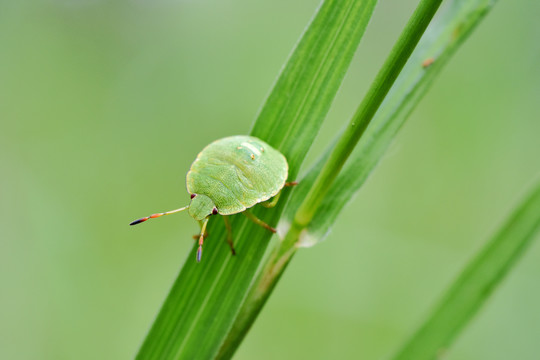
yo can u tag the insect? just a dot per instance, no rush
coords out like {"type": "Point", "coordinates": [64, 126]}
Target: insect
{"type": "Point", "coordinates": [228, 177]}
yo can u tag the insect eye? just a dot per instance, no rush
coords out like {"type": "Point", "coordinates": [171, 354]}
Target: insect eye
{"type": "Point", "coordinates": [214, 211]}
{"type": "Point", "coordinates": [193, 195]}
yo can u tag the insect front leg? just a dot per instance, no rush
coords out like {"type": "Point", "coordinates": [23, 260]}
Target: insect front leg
{"type": "Point", "coordinates": [258, 221]}
{"type": "Point", "coordinates": [229, 234]}
{"type": "Point", "coordinates": [201, 239]}
{"type": "Point", "coordinates": [196, 236]}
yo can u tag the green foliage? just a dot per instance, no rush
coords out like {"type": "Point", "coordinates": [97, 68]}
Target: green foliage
{"type": "Point", "coordinates": [205, 299]}
{"type": "Point", "coordinates": [439, 43]}
{"type": "Point", "coordinates": [476, 282]}
{"type": "Point", "coordinates": [310, 202]}
{"type": "Point", "coordinates": [210, 308]}
{"type": "Point", "coordinates": [106, 104]}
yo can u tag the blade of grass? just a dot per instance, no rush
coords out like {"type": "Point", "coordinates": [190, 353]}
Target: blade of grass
{"type": "Point", "coordinates": [205, 298]}
{"type": "Point", "coordinates": [282, 254]}
{"type": "Point", "coordinates": [441, 40]}
{"type": "Point", "coordinates": [476, 283]}
{"type": "Point", "coordinates": [380, 87]}
{"type": "Point", "coordinates": [291, 117]}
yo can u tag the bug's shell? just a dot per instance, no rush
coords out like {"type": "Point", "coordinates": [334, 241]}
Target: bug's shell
{"type": "Point", "coordinates": [237, 172]}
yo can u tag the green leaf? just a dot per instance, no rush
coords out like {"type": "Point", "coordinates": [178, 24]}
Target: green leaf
{"type": "Point", "coordinates": [206, 298]}
{"type": "Point", "coordinates": [439, 43]}
{"type": "Point", "coordinates": [476, 283]}
{"type": "Point", "coordinates": [292, 115]}
{"type": "Point", "coordinates": [283, 253]}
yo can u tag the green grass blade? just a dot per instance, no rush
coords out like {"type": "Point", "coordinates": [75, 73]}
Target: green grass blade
{"type": "Point", "coordinates": [205, 298]}
{"type": "Point", "coordinates": [291, 117]}
{"type": "Point", "coordinates": [283, 253]}
{"type": "Point", "coordinates": [475, 284]}
{"type": "Point", "coordinates": [440, 42]}
{"type": "Point", "coordinates": [379, 88]}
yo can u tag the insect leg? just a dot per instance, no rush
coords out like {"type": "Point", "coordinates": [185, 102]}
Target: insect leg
{"type": "Point", "coordinates": [196, 236]}
{"type": "Point", "coordinates": [229, 234]}
{"type": "Point", "coordinates": [201, 239]}
{"type": "Point", "coordinates": [271, 204]}
{"type": "Point", "coordinates": [258, 221]}
{"type": "Point", "coordinates": [275, 199]}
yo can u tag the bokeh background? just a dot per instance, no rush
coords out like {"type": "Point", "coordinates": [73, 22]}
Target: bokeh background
{"type": "Point", "coordinates": [104, 104]}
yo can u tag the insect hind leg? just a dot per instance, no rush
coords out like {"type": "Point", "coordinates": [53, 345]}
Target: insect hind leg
{"type": "Point", "coordinates": [258, 221]}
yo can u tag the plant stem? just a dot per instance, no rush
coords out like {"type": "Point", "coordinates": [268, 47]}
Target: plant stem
{"type": "Point", "coordinates": [281, 255]}
{"type": "Point", "coordinates": [366, 110]}
{"type": "Point", "coordinates": [368, 107]}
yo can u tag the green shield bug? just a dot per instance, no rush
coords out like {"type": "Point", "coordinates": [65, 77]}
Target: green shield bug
{"type": "Point", "coordinates": [229, 176]}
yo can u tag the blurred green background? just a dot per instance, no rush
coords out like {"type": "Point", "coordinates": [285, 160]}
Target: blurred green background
{"type": "Point", "coordinates": [104, 105]}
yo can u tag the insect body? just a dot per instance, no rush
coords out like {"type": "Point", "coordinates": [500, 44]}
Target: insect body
{"type": "Point", "coordinates": [230, 176]}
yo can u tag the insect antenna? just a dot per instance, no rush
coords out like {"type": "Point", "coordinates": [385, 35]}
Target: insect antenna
{"type": "Point", "coordinates": [138, 221]}
{"type": "Point", "coordinates": [201, 239]}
